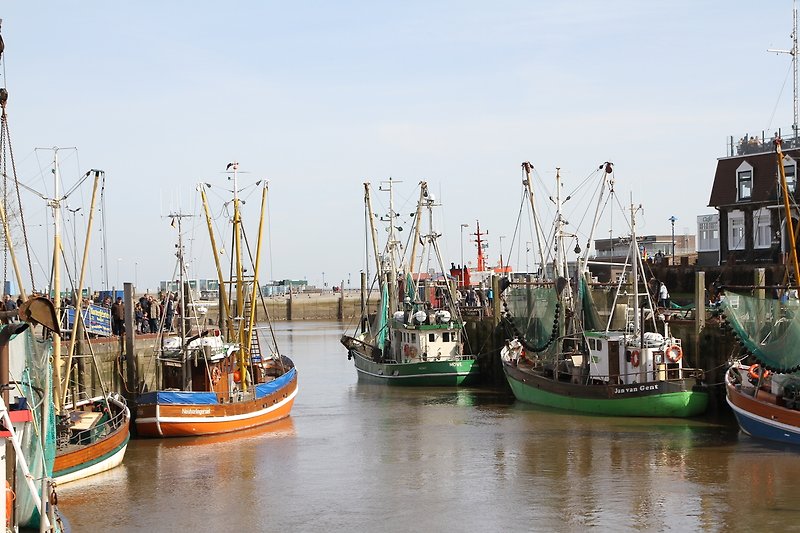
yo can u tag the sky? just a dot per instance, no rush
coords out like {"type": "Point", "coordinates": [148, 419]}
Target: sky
{"type": "Point", "coordinates": [319, 97]}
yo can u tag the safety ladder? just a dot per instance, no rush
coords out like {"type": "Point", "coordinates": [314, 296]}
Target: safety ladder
{"type": "Point", "coordinates": [255, 345]}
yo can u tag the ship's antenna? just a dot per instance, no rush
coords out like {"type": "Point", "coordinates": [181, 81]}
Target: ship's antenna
{"type": "Point", "coordinates": [793, 53]}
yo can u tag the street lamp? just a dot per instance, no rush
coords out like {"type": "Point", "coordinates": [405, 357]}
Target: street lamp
{"type": "Point", "coordinates": [462, 243]}
{"type": "Point", "coordinates": [323, 281]}
{"type": "Point", "coordinates": [672, 219]}
{"type": "Point", "coordinates": [136, 274]}
{"type": "Point", "coordinates": [501, 252]}
{"type": "Point", "coordinates": [119, 260]}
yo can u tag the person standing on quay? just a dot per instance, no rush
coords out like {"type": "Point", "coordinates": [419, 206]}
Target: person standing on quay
{"type": "Point", "coordinates": [168, 312]}
{"type": "Point", "coordinates": [155, 314]}
{"type": "Point", "coordinates": [118, 317]}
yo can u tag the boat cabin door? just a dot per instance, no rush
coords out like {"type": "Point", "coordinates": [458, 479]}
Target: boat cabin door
{"type": "Point", "coordinates": [613, 362]}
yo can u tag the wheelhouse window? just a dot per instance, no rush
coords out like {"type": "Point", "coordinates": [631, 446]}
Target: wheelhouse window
{"type": "Point", "coordinates": [736, 230]}
{"type": "Point", "coordinates": [431, 337]}
{"type": "Point", "coordinates": [762, 229]}
{"type": "Point", "coordinates": [446, 336]}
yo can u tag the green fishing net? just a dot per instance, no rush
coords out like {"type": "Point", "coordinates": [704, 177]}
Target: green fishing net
{"type": "Point", "coordinates": [768, 329]}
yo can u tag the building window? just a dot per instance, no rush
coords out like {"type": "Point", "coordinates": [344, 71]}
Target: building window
{"type": "Point", "coordinates": [762, 231]}
{"type": "Point", "coordinates": [708, 233]}
{"type": "Point", "coordinates": [744, 183]}
{"type": "Point", "coordinates": [736, 230]}
{"type": "Point", "coordinates": [790, 169]}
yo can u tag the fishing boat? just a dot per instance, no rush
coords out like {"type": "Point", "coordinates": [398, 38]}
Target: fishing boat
{"type": "Point", "coordinates": [27, 431]}
{"type": "Point", "coordinates": [558, 353]}
{"type": "Point", "coordinates": [92, 430]}
{"type": "Point", "coordinates": [765, 394]}
{"type": "Point", "coordinates": [219, 380]}
{"type": "Point", "coordinates": [91, 434]}
{"type": "Point", "coordinates": [417, 336]}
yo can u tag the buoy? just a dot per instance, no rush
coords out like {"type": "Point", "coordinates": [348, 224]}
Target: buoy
{"type": "Point", "coordinates": [755, 372]}
{"type": "Point", "coordinates": [674, 353]}
{"type": "Point", "coordinates": [237, 377]}
{"type": "Point", "coordinates": [635, 358]}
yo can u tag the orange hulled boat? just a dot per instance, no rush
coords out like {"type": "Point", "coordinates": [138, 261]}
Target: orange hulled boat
{"type": "Point", "coordinates": [212, 381]}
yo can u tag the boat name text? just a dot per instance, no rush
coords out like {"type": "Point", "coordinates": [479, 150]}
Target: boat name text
{"type": "Point", "coordinates": [195, 411]}
{"type": "Point", "coordinates": [635, 388]}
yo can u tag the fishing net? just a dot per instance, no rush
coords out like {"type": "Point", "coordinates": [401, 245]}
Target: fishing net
{"type": "Point", "coordinates": [767, 329]}
{"type": "Point", "coordinates": [591, 317]}
{"type": "Point", "coordinates": [532, 314]}
{"type": "Point", "coordinates": [30, 367]}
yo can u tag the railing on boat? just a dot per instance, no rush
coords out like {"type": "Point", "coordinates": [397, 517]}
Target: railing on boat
{"type": "Point", "coordinates": [92, 434]}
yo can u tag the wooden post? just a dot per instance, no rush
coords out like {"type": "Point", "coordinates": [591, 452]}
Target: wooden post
{"type": "Point", "coordinates": [495, 300]}
{"type": "Point", "coordinates": [699, 311]}
{"type": "Point", "coordinates": [130, 353]}
{"type": "Point", "coordinates": [364, 312]}
{"type": "Point", "coordinates": [759, 280]}
{"type": "Point", "coordinates": [289, 304]}
{"type": "Point", "coordinates": [340, 310]}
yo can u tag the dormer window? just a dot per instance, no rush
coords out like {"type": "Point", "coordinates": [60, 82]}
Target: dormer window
{"type": "Point", "coordinates": [744, 184]}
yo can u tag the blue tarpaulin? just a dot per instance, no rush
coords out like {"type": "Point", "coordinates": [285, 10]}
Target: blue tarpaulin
{"type": "Point", "coordinates": [265, 389]}
{"type": "Point", "coordinates": [178, 397]}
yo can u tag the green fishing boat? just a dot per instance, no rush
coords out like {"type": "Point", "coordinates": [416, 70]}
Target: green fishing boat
{"type": "Point", "coordinates": [560, 355]}
{"type": "Point", "coordinates": [416, 337]}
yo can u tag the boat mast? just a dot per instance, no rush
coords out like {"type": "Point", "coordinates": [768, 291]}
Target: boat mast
{"type": "Point", "coordinates": [392, 247]}
{"type": "Point", "coordinates": [793, 52]}
{"type": "Point", "coordinates": [78, 303]}
{"type": "Point", "coordinates": [561, 253]}
{"type": "Point", "coordinates": [244, 347]}
{"type": "Point", "coordinates": [373, 230]}
{"type": "Point", "coordinates": [185, 373]}
{"type": "Point", "coordinates": [607, 169]}
{"type": "Point", "coordinates": [635, 271]}
{"type": "Point", "coordinates": [55, 203]}
{"type": "Point", "coordinates": [786, 207]}
{"type": "Point", "coordinates": [254, 289]}
{"type": "Point", "coordinates": [481, 267]}
{"type": "Point", "coordinates": [423, 192]}
{"type": "Point", "coordinates": [527, 167]}
{"type": "Point", "coordinates": [223, 293]}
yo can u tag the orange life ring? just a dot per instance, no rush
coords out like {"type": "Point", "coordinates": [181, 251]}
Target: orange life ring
{"type": "Point", "coordinates": [237, 377]}
{"type": "Point", "coordinates": [406, 350]}
{"type": "Point", "coordinates": [635, 358]}
{"type": "Point", "coordinates": [674, 353]}
{"type": "Point", "coordinates": [10, 497]}
{"type": "Point", "coordinates": [755, 372]}
{"type": "Point", "coordinates": [216, 375]}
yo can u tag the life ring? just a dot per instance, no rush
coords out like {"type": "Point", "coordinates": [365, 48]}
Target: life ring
{"type": "Point", "coordinates": [635, 358]}
{"type": "Point", "coordinates": [412, 351]}
{"type": "Point", "coordinates": [755, 372]}
{"type": "Point", "coordinates": [674, 353]}
{"type": "Point", "coordinates": [216, 375]}
{"type": "Point", "coordinates": [10, 497]}
{"type": "Point", "coordinates": [237, 377]}
{"type": "Point", "coordinates": [406, 350]}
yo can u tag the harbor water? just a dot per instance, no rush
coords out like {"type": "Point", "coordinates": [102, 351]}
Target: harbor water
{"type": "Point", "coordinates": [366, 457]}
